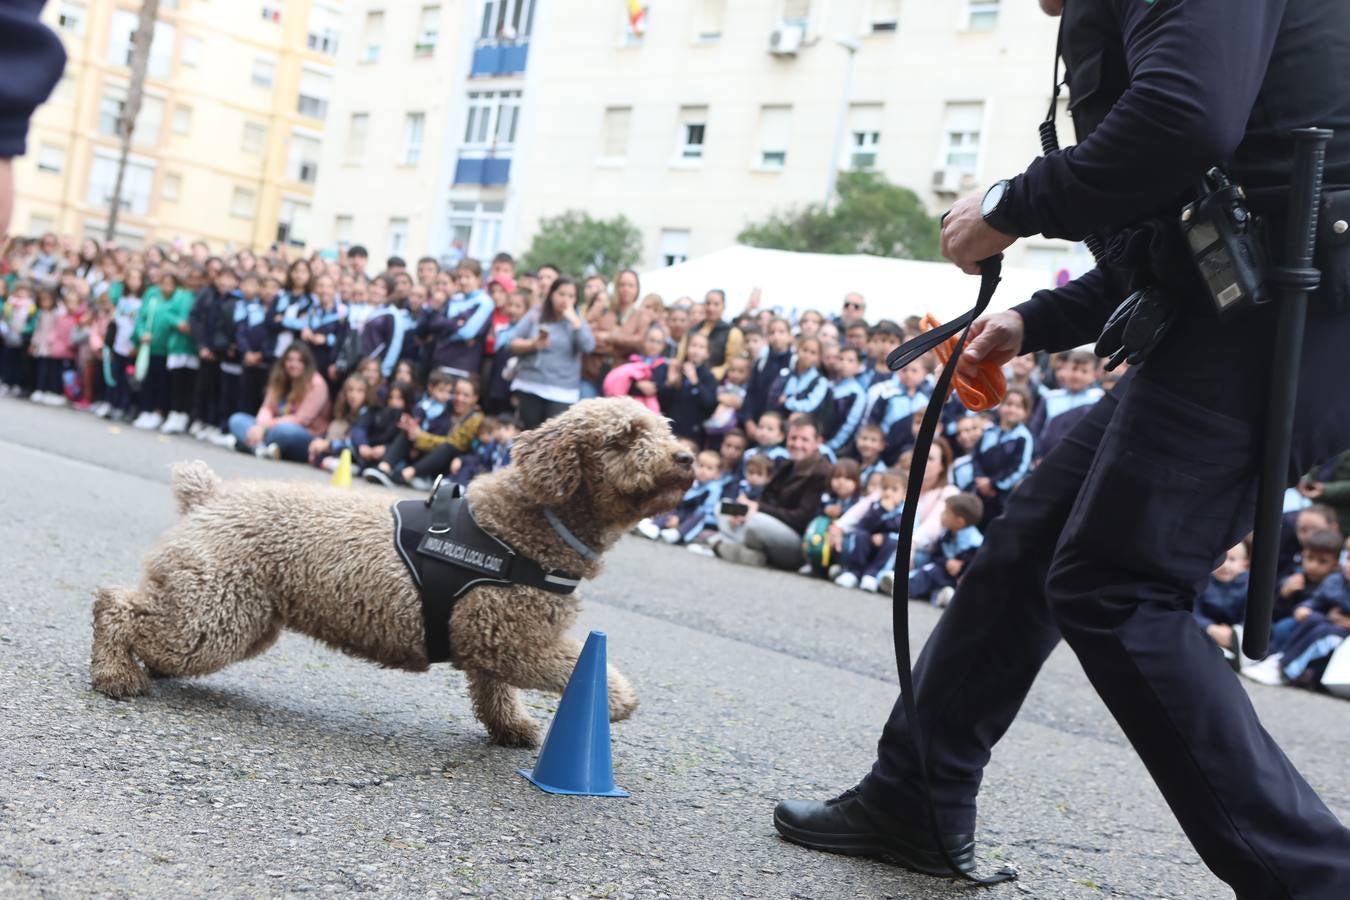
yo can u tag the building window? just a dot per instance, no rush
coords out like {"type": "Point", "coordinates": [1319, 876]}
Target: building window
{"type": "Point", "coordinates": [475, 229]}
{"type": "Point", "coordinates": [136, 184]}
{"type": "Point", "coordinates": [293, 222]}
{"type": "Point", "coordinates": [243, 203]}
{"type": "Point", "coordinates": [674, 247]}
{"type": "Point", "coordinates": [51, 158]}
{"type": "Point", "coordinates": [120, 44]}
{"type": "Point", "coordinates": [271, 12]}
{"type": "Point", "coordinates": [506, 20]}
{"type": "Point", "coordinates": [314, 90]}
{"type": "Point", "coordinates": [634, 22]}
{"type": "Point", "coordinates": [428, 31]}
{"type": "Point", "coordinates": [342, 231]}
{"type": "Point", "coordinates": [864, 137]}
{"type": "Point", "coordinates": [149, 120]}
{"type": "Point", "coordinates": [981, 15]}
{"type": "Point", "coordinates": [192, 51]}
{"type": "Point", "coordinates": [413, 126]}
{"type": "Point", "coordinates": [72, 17]}
{"type": "Point", "coordinates": [169, 188]}
{"type": "Point", "coordinates": [492, 119]}
{"type": "Point", "coordinates": [255, 135]}
{"type": "Point", "coordinates": [357, 130]}
{"type": "Point", "coordinates": [264, 71]}
{"type": "Point", "coordinates": [961, 130]}
{"type": "Point", "coordinates": [324, 24]}
{"type": "Point", "coordinates": [302, 160]}
{"type": "Point", "coordinates": [796, 12]}
{"type": "Point", "coordinates": [693, 131]}
{"type": "Point", "coordinates": [775, 123]}
{"type": "Point", "coordinates": [182, 119]}
{"type": "Point", "coordinates": [372, 36]}
{"type": "Point", "coordinates": [710, 16]}
{"type": "Point", "coordinates": [618, 120]}
{"type": "Point", "coordinates": [885, 16]}
{"type": "Point", "coordinates": [398, 236]}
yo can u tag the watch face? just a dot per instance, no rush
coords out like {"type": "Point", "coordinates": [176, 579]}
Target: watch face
{"type": "Point", "coordinates": [992, 197]}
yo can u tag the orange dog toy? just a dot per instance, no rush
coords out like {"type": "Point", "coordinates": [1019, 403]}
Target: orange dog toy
{"type": "Point", "coordinates": [990, 386]}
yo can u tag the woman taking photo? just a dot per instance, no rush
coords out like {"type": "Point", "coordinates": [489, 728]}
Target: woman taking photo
{"type": "Point", "coordinates": [550, 343]}
{"type": "Point", "coordinates": [294, 410]}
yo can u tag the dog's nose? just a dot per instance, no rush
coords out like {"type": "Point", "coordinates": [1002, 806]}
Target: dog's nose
{"type": "Point", "coordinates": [684, 458]}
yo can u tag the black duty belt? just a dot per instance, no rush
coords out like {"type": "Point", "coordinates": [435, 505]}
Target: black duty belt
{"type": "Point", "coordinates": [447, 553]}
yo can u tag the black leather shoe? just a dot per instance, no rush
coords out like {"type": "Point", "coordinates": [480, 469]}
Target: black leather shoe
{"type": "Point", "coordinates": [846, 825]}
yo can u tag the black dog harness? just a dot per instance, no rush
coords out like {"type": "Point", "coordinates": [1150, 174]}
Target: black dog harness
{"type": "Point", "coordinates": [447, 553]}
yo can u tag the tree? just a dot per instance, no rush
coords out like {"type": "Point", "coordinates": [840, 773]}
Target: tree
{"type": "Point", "coordinates": [140, 60]}
{"type": "Point", "coordinates": [871, 215]}
{"type": "Point", "coordinates": [579, 244]}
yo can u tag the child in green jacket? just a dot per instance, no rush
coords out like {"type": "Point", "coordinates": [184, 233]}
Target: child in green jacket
{"type": "Point", "coordinates": [161, 332]}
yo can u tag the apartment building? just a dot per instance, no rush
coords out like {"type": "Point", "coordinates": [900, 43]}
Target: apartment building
{"type": "Point", "coordinates": [226, 145]}
{"type": "Point", "coordinates": [711, 114]}
{"type": "Point", "coordinates": [427, 111]}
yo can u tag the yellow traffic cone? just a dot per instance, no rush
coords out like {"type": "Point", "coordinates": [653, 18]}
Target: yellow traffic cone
{"type": "Point", "coordinates": [342, 476]}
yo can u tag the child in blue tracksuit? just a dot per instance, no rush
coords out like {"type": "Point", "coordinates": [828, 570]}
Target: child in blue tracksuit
{"type": "Point", "coordinates": [731, 450]}
{"type": "Point", "coordinates": [697, 510]}
{"type": "Point", "coordinates": [1321, 623]}
{"type": "Point", "coordinates": [493, 451]}
{"type": "Point", "coordinates": [850, 396]}
{"type": "Point", "coordinates": [955, 549]}
{"type": "Point", "coordinates": [892, 404]}
{"type": "Point", "coordinates": [845, 489]}
{"type": "Point", "coordinates": [969, 432]}
{"type": "Point", "coordinates": [325, 329]}
{"type": "Point", "coordinates": [870, 550]}
{"type": "Point", "coordinates": [806, 389]}
{"type": "Point", "coordinates": [769, 434]}
{"type": "Point", "coordinates": [1223, 602]}
{"type": "Point", "coordinates": [1003, 457]}
{"type": "Point", "coordinates": [255, 339]}
{"type": "Point", "coordinates": [377, 426]}
{"type": "Point", "coordinates": [1075, 374]}
{"type": "Point", "coordinates": [458, 331]}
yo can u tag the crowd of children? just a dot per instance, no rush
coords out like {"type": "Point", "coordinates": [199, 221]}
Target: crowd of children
{"type": "Point", "coordinates": [434, 371]}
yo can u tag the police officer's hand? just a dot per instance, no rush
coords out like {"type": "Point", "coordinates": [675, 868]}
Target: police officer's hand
{"type": "Point", "coordinates": [995, 338]}
{"type": "Point", "coordinates": [967, 238]}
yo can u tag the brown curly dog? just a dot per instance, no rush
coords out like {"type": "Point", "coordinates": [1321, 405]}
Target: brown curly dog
{"type": "Point", "coordinates": [248, 559]}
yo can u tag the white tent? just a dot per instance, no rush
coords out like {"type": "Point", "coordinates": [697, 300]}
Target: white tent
{"type": "Point", "coordinates": [893, 288]}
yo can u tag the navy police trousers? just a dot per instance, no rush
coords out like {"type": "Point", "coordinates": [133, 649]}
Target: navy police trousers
{"type": "Point", "coordinates": [1106, 544]}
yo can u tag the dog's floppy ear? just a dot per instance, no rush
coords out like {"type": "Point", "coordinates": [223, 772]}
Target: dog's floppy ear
{"type": "Point", "coordinates": [549, 461]}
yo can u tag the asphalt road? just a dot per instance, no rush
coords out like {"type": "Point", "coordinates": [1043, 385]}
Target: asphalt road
{"type": "Point", "coordinates": [304, 771]}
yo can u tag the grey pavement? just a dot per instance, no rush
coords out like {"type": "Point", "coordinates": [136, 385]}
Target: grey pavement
{"type": "Point", "coordinates": [304, 771]}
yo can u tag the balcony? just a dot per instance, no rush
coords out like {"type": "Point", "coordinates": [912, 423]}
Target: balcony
{"type": "Point", "coordinates": [496, 59]}
{"type": "Point", "coordinates": [482, 168]}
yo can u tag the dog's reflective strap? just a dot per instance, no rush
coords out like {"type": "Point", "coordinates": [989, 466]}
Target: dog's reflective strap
{"type": "Point", "coordinates": [990, 270]}
{"type": "Point", "coordinates": [447, 553]}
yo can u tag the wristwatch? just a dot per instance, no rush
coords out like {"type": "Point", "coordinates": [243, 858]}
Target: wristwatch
{"type": "Point", "coordinates": [994, 208]}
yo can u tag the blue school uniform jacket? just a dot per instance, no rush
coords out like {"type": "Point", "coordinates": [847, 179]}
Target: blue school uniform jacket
{"type": "Point", "coordinates": [850, 396]}
{"type": "Point", "coordinates": [1332, 593]}
{"type": "Point", "coordinates": [384, 336]}
{"type": "Point", "coordinates": [1004, 457]}
{"type": "Point", "coordinates": [1220, 603]}
{"type": "Point", "coordinates": [458, 331]}
{"type": "Point", "coordinates": [688, 405]}
{"type": "Point", "coordinates": [960, 544]}
{"type": "Point", "coordinates": [879, 520]}
{"type": "Point", "coordinates": [252, 329]}
{"type": "Point", "coordinates": [332, 325]}
{"type": "Point", "coordinates": [1057, 401]}
{"type": "Point", "coordinates": [889, 406]}
{"type": "Point", "coordinates": [704, 497]}
{"type": "Point", "coordinates": [768, 370]}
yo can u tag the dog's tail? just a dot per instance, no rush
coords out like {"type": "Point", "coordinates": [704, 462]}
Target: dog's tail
{"type": "Point", "coordinates": [193, 484]}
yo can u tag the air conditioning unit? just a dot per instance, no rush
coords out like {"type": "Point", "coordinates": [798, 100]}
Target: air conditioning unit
{"type": "Point", "coordinates": [786, 38]}
{"type": "Point", "coordinates": [947, 181]}
{"type": "Point", "coordinates": [968, 182]}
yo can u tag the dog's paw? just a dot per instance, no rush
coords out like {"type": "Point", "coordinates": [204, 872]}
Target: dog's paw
{"type": "Point", "coordinates": [119, 685]}
{"type": "Point", "coordinates": [515, 734]}
{"type": "Point", "coordinates": [622, 698]}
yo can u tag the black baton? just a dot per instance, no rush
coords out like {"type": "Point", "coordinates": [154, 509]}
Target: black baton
{"type": "Point", "coordinates": [1293, 281]}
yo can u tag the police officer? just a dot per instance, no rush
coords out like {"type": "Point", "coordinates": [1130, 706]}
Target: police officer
{"type": "Point", "coordinates": [1107, 542]}
{"type": "Point", "coordinates": [31, 60]}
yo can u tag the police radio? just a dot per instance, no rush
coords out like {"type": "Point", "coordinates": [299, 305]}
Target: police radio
{"type": "Point", "coordinates": [1226, 243]}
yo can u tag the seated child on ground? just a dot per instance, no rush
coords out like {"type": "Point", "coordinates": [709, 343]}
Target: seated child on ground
{"type": "Point", "coordinates": [352, 403]}
{"type": "Point", "coordinates": [1223, 602]}
{"type": "Point", "coordinates": [1320, 624]}
{"type": "Point", "coordinates": [492, 453]}
{"type": "Point", "coordinates": [431, 415]}
{"type": "Point", "coordinates": [758, 473]}
{"type": "Point", "coordinates": [870, 549]}
{"type": "Point", "coordinates": [732, 453]}
{"type": "Point", "coordinates": [697, 510]}
{"type": "Point", "coordinates": [960, 539]}
{"type": "Point", "coordinates": [769, 433]}
{"type": "Point", "coordinates": [377, 427]}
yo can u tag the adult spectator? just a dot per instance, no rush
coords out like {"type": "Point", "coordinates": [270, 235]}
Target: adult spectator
{"type": "Point", "coordinates": [33, 60]}
{"type": "Point", "coordinates": [293, 413]}
{"type": "Point", "coordinates": [855, 309]}
{"type": "Point", "coordinates": [775, 523]}
{"type": "Point", "coordinates": [725, 341]}
{"type": "Point", "coordinates": [550, 342]}
{"type": "Point", "coordinates": [357, 260]}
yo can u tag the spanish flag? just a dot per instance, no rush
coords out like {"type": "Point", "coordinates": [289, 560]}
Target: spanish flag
{"type": "Point", "coordinates": [637, 16]}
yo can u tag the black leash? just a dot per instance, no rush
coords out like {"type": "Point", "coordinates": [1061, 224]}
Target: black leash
{"type": "Point", "coordinates": [990, 270]}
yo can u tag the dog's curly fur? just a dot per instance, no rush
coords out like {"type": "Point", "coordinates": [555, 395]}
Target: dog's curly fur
{"type": "Point", "coordinates": [248, 559]}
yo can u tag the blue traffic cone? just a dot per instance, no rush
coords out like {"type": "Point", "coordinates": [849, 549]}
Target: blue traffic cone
{"type": "Point", "coordinates": [575, 758]}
